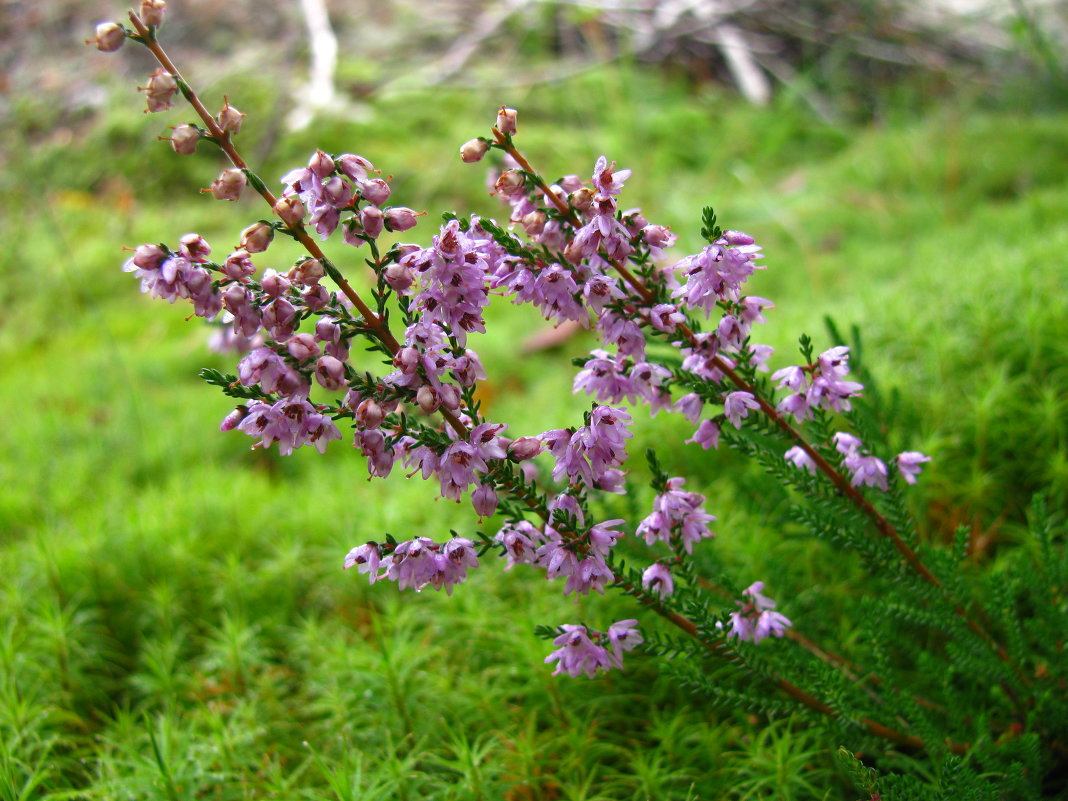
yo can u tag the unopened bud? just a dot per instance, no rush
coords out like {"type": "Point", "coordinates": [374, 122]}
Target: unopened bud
{"type": "Point", "coordinates": [353, 166]}
{"type": "Point", "coordinates": [369, 414]}
{"type": "Point", "coordinates": [330, 373]}
{"type": "Point", "coordinates": [231, 420]}
{"type": "Point", "coordinates": [582, 198]}
{"type": "Point", "coordinates": [307, 272]}
{"type": "Point", "coordinates": [571, 183]}
{"type": "Point", "coordinates": [321, 164]}
{"type": "Point", "coordinates": [450, 396]}
{"type": "Point", "coordinates": [510, 182]}
{"type": "Point", "coordinates": [228, 185]}
{"type": "Point", "coordinates": [316, 297]}
{"type": "Point", "coordinates": [375, 191]}
{"type": "Point", "coordinates": [148, 257]}
{"type": "Point", "coordinates": [257, 237]}
{"type": "Point", "coordinates": [399, 276]}
{"type": "Point", "coordinates": [428, 399]}
{"type": "Point", "coordinates": [290, 210]}
{"type": "Point", "coordinates": [506, 120]}
{"type": "Point", "coordinates": [372, 220]}
{"type": "Point", "coordinates": [484, 499]}
{"type": "Point", "coordinates": [274, 284]}
{"type": "Point", "coordinates": [302, 347]}
{"type": "Point", "coordinates": [151, 12]}
{"type": "Point", "coordinates": [473, 150]}
{"type": "Point", "coordinates": [194, 247]}
{"type": "Point", "coordinates": [524, 448]}
{"type": "Point", "coordinates": [229, 118]}
{"type": "Point", "coordinates": [109, 37]}
{"type": "Point", "coordinates": [337, 192]}
{"type": "Point", "coordinates": [406, 360]}
{"type": "Point", "coordinates": [400, 218]}
{"type": "Point", "coordinates": [238, 265]}
{"type": "Point", "coordinates": [160, 89]}
{"type": "Point", "coordinates": [737, 238]}
{"type": "Point", "coordinates": [184, 139]}
{"type": "Point", "coordinates": [533, 223]}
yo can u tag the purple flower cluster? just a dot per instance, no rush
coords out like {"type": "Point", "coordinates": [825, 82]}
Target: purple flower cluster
{"type": "Point", "coordinates": [819, 386]}
{"type": "Point", "coordinates": [584, 651]}
{"type": "Point", "coordinates": [417, 563]}
{"type": "Point", "coordinates": [291, 422]}
{"type": "Point", "coordinates": [757, 617]}
{"type": "Point", "coordinates": [592, 453]}
{"type": "Point", "coordinates": [677, 513]}
{"type": "Point", "coordinates": [168, 275]}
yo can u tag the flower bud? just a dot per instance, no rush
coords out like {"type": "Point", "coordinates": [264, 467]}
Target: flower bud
{"type": "Point", "coordinates": [307, 272]}
{"type": "Point", "coordinates": [484, 499]}
{"type": "Point", "coordinates": [473, 150]}
{"type": "Point", "coordinates": [109, 37]}
{"type": "Point", "coordinates": [399, 276]}
{"type": "Point", "coordinates": [400, 218]}
{"type": "Point", "coordinates": [737, 238]}
{"type": "Point", "coordinates": [290, 210]}
{"type": "Point", "coordinates": [369, 414]}
{"type": "Point", "coordinates": [533, 223]}
{"type": "Point", "coordinates": [376, 191]}
{"type": "Point", "coordinates": [330, 373]}
{"type": "Point", "coordinates": [510, 182]}
{"type": "Point", "coordinates": [273, 284]}
{"type": "Point", "coordinates": [148, 257]}
{"type": "Point", "coordinates": [228, 185]}
{"type": "Point", "coordinates": [302, 347]}
{"type": "Point", "coordinates": [658, 236]}
{"type": "Point", "coordinates": [316, 297]}
{"type": "Point", "coordinates": [524, 448]}
{"type": "Point", "coordinates": [160, 89]}
{"type": "Point", "coordinates": [321, 164]}
{"type": "Point", "coordinates": [194, 247]}
{"type": "Point", "coordinates": [231, 420]}
{"type": "Point", "coordinates": [257, 237]}
{"type": "Point", "coordinates": [184, 139]}
{"type": "Point", "coordinates": [506, 120]}
{"type": "Point", "coordinates": [327, 331]}
{"type": "Point", "coordinates": [582, 198]}
{"type": "Point", "coordinates": [571, 183]}
{"type": "Point", "coordinates": [151, 12]}
{"type": "Point", "coordinates": [353, 166]}
{"type": "Point", "coordinates": [229, 118]}
{"type": "Point", "coordinates": [450, 396]}
{"type": "Point", "coordinates": [372, 220]}
{"type": "Point", "coordinates": [428, 399]}
{"type": "Point", "coordinates": [406, 360]}
{"type": "Point", "coordinates": [238, 265]}
{"type": "Point", "coordinates": [337, 192]}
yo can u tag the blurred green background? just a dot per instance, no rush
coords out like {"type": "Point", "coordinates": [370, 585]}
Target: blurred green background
{"type": "Point", "coordinates": [173, 620]}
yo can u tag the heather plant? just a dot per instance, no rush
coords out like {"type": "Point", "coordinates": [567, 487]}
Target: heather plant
{"type": "Point", "coordinates": [948, 679]}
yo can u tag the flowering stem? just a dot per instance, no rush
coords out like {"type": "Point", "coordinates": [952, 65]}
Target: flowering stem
{"type": "Point", "coordinates": [223, 140]}
{"type": "Point", "coordinates": [882, 525]}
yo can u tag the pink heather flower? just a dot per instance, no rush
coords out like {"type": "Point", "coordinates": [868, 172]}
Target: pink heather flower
{"type": "Point", "coordinates": [291, 422]}
{"type": "Point", "coordinates": [677, 512]}
{"type": "Point", "coordinates": [161, 87]}
{"type": "Point", "coordinates": [846, 444]}
{"type": "Point", "coordinates": [707, 435]}
{"type": "Point", "coordinates": [421, 562]}
{"type": "Point", "coordinates": [372, 444]}
{"type": "Point", "coordinates": [578, 654]}
{"type": "Point", "coordinates": [607, 179]}
{"type": "Point", "coordinates": [868, 471]}
{"type": "Point", "coordinates": [484, 499]}
{"type": "Point", "coordinates": [605, 378]}
{"type": "Point", "coordinates": [792, 378]}
{"type": "Point", "coordinates": [689, 406]}
{"type": "Point", "coordinates": [657, 578]}
{"type": "Point", "coordinates": [623, 637]}
{"type": "Point", "coordinates": [828, 389]}
{"type": "Point", "coordinates": [365, 558]}
{"type": "Point", "coordinates": [908, 464]}
{"type": "Point", "coordinates": [757, 619]}
{"type": "Point", "coordinates": [736, 406]}
{"type": "Point", "coordinates": [666, 317]}
{"type": "Point", "coordinates": [602, 536]}
{"type": "Point", "coordinates": [520, 541]}
{"type": "Point", "coordinates": [799, 459]}
{"type": "Point", "coordinates": [456, 470]}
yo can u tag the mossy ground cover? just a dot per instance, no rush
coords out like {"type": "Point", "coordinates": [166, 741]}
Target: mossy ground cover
{"type": "Point", "coordinates": [175, 621]}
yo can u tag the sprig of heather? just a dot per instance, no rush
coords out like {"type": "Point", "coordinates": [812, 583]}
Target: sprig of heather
{"type": "Point", "coordinates": [588, 261]}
